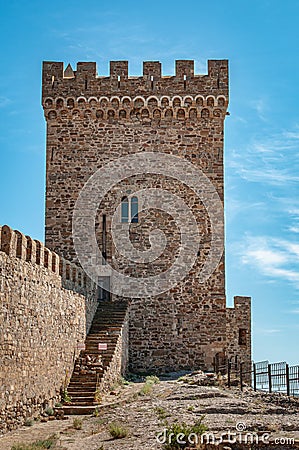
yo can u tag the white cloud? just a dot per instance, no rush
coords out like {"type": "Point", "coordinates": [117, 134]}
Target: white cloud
{"type": "Point", "coordinates": [268, 331]}
{"type": "Point", "coordinates": [274, 258]}
{"type": "Point", "coordinates": [263, 256]}
{"type": "Point", "coordinates": [269, 175]}
{"type": "Point", "coordinates": [273, 159]}
{"type": "Point", "coordinates": [291, 135]}
{"type": "Point", "coordinates": [294, 212]}
{"type": "Point", "coordinates": [235, 207]}
{"type": "Point", "coordinates": [260, 106]}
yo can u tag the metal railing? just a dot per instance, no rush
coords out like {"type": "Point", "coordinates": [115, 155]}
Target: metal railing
{"type": "Point", "coordinates": [262, 376]}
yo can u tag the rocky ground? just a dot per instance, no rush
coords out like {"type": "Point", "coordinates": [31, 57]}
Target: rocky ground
{"type": "Point", "coordinates": [142, 410]}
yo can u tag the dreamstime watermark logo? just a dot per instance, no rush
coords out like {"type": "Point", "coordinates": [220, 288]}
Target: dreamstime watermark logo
{"type": "Point", "coordinates": [240, 436]}
{"type": "Point", "coordinates": [162, 164]}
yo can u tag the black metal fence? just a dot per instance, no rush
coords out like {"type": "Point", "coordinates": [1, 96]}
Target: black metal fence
{"type": "Point", "coordinates": [262, 376]}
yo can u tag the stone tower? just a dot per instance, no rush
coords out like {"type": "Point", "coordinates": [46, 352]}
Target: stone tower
{"type": "Point", "coordinates": [94, 120]}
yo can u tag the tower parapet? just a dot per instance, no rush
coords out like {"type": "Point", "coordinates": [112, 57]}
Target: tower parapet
{"type": "Point", "coordinates": [185, 96]}
{"type": "Point", "coordinates": [84, 81]}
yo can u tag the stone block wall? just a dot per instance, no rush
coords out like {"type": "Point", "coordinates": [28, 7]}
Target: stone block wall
{"type": "Point", "coordinates": [46, 308]}
{"type": "Point", "coordinates": [238, 330]}
{"type": "Point", "coordinates": [92, 120]}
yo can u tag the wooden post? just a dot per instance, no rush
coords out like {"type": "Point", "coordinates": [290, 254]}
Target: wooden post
{"type": "Point", "coordinates": [228, 373]}
{"type": "Point", "coordinates": [288, 379]}
{"type": "Point", "coordinates": [254, 376]}
{"type": "Point", "coordinates": [241, 376]}
{"type": "Point", "coordinates": [270, 378]}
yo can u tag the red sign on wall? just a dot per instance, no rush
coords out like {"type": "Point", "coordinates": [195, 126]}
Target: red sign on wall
{"type": "Point", "coordinates": [102, 346]}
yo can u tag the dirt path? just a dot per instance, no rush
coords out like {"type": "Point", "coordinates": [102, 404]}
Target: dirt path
{"type": "Point", "coordinates": [143, 415]}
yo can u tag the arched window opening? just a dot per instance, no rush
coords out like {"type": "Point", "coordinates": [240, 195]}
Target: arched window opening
{"type": "Point", "coordinates": [134, 209]}
{"type": "Point", "coordinates": [124, 210]}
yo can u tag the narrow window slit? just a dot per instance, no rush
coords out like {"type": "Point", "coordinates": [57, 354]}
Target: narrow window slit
{"type": "Point", "coordinates": [134, 210]}
{"type": "Point", "coordinates": [125, 210]}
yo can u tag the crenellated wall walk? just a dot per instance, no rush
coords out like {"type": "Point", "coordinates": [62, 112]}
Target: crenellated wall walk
{"type": "Point", "coordinates": [46, 308]}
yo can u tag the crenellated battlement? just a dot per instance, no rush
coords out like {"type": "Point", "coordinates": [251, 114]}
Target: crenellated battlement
{"type": "Point", "coordinates": [84, 81]}
{"type": "Point", "coordinates": [16, 244]}
{"type": "Point", "coordinates": [46, 309]}
{"type": "Point", "coordinates": [243, 303]}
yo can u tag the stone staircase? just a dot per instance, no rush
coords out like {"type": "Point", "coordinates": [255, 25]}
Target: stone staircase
{"type": "Point", "coordinates": [96, 369]}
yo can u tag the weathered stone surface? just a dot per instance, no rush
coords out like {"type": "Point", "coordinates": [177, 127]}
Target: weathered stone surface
{"type": "Point", "coordinates": [93, 120]}
{"type": "Point", "coordinates": [144, 416]}
{"type": "Point", "coordinates": [48, 302]}
{"type": "Point", "coordinates": [42, 319]}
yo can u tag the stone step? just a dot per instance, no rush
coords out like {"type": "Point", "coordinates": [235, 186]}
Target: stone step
{"type": "Point", "coordinates": [107, 335]}
{"type": "Point", "coordinates": [81, 382]}
{"type": "Point", "coordinates": [114, 306]}
{"type": "Point", "coordinates": [80, 387]}
{"type": "Point", "coordinates": [77, 402]}
{"type": "Point", "coordinates": [98, 336]}
{"type": "Point", "coordinates": [115, 323]}
{"type": "Point", "coordinates": [108, 339]}
{"type": "Point", "coordinates": [112, 322]}
{"type": "Point", "coordinates": [112, 337]}
{"type": "Point", "coordinates": [88, 376]}
{"type": "Point", "coordinates": [84, 392]}
{"type": "Point", "coordinates": [101, 331]}
{"type": "Point", "coordinates": [79, 410]}
{"type": "Point", "coordinates": [105, 313]}
{"type": "Point", "coordinates": [102, 339]}
{"type": "Point", "coordinates": [110, 318]}
{"type": "Point", "coordinates": [81, 404]}
{"type": "Point", "coordinates": [106, 328]}
{"type": "Point", "coordinates": [95, 351]}
{"type": "Point", "coordinates": [107, 325]}
{"type": "Point", "coordinates": [81, 378]}
{"type": "Point", "coordinates": [82, 398]}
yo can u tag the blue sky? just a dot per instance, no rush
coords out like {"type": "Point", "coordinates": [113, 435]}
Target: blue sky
{"type": "Point", "coordinates": [261, 40]}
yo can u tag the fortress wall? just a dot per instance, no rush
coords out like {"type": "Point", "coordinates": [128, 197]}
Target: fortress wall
{"type": "Point", "coordinates": [238, 329]}
{"type": "Point", "coordinates": [95, 120]}
{"type": "Point", "coordinates": [42, 319]}
{"type": "Point", "coordinates": [92, 121]}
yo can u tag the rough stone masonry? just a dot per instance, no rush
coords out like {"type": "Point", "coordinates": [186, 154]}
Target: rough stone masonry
{"type": "Point", "coordinates": [93, 120]}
